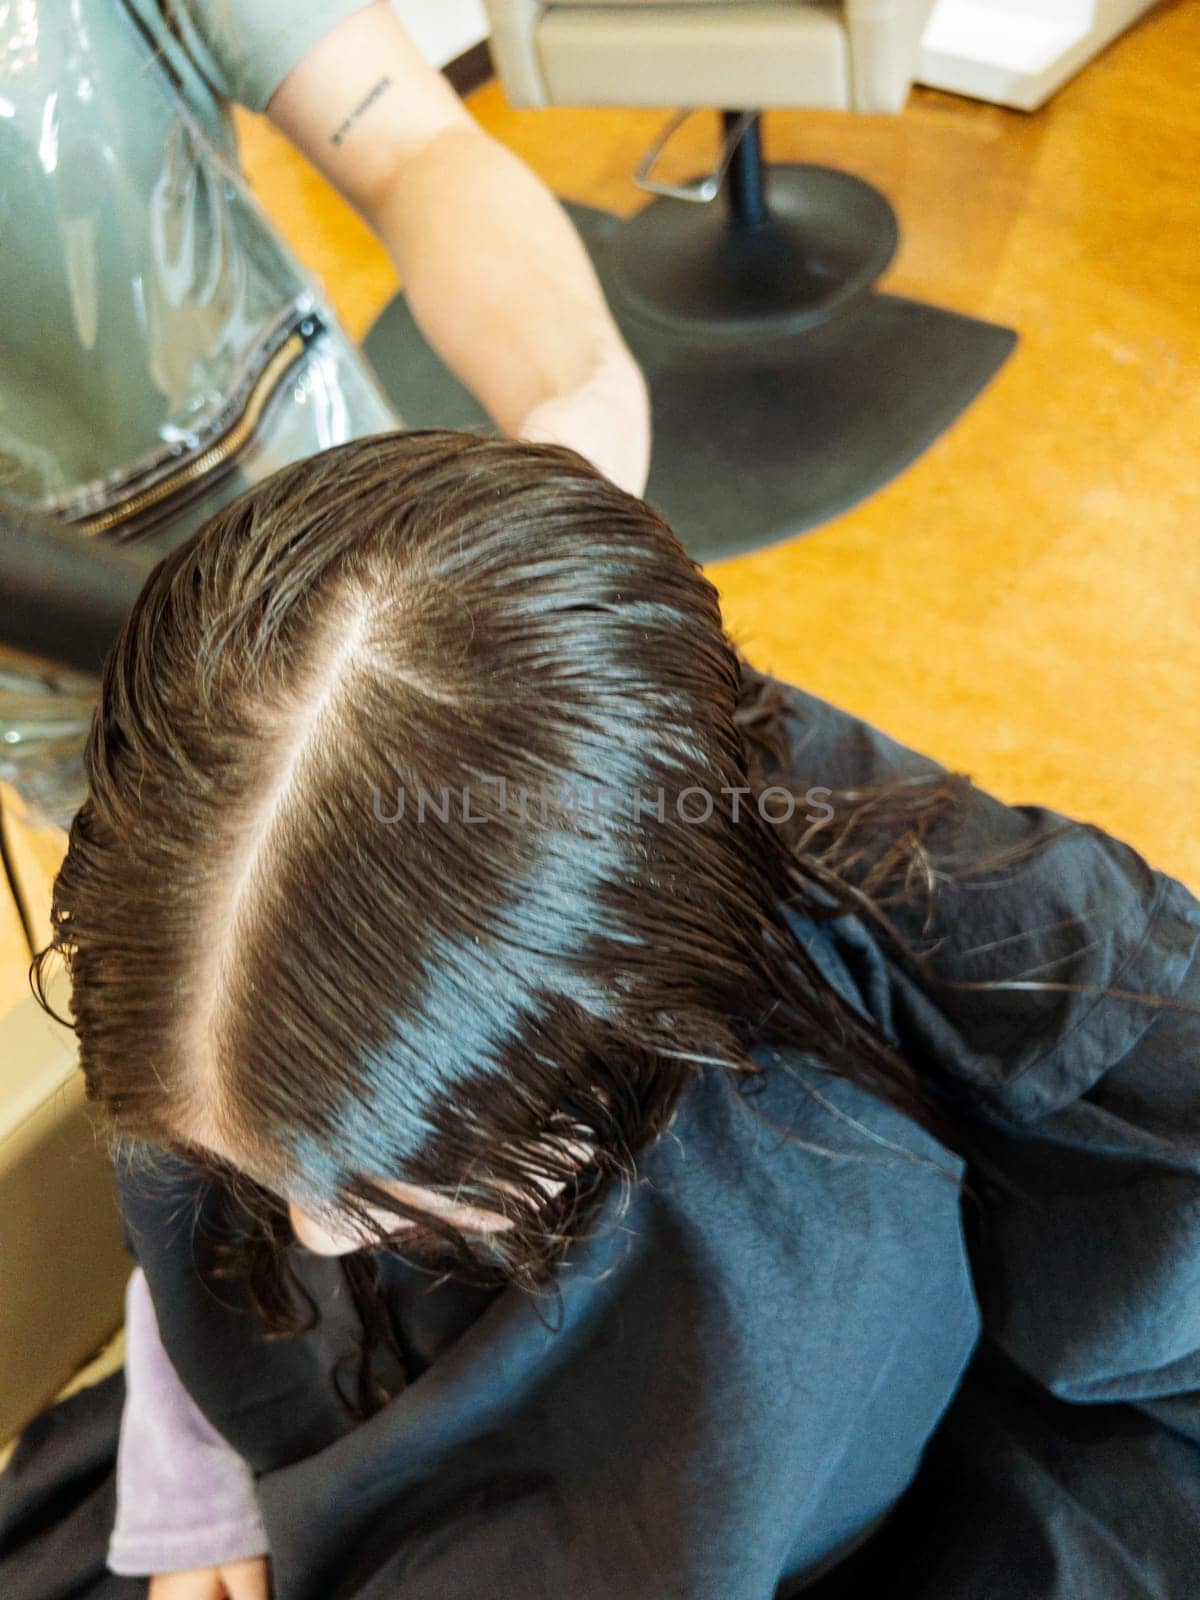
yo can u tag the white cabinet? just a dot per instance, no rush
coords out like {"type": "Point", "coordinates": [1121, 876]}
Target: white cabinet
{"type": "Point", "coordinates": [1017, 52]}
{"type": "Point", "coordinates": [443, 29]}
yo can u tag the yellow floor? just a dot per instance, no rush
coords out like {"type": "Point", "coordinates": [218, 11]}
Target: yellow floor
{"type": "Point", "coordinates": [1023, 603]}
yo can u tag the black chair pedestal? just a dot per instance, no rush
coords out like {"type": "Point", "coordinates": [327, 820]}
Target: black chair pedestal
{"type": "Point", "coordinates": [778, 250]}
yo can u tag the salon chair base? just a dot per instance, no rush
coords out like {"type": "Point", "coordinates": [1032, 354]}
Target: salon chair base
{"type": "Point", "coordinates": [756, 438]}
{"type": "Point", "coordinates": [823, 240]}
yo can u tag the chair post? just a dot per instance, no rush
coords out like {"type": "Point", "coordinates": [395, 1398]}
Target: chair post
{"type": "Point", "coordinates": [745, 181]}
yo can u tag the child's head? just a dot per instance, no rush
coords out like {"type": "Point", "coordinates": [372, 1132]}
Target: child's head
{"type": "Point", "coordinates": [344, 905]}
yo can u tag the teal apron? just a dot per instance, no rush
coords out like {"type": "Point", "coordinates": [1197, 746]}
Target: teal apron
{"type": "Point", "coordinates": [161, 348]}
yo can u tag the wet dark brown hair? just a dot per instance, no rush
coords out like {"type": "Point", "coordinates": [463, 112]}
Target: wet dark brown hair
{"type": "Point", "coordinates": [485, 996]}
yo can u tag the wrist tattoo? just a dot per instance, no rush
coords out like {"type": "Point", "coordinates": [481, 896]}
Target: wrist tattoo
{"type": "Point", "coordinates": [340, 132]}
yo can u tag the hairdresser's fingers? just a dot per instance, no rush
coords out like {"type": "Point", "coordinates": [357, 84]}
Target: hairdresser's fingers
{"type": "Point", "coordinates": [248, 1580]}
{"type": "Point", "coordinates": [205, 1583]}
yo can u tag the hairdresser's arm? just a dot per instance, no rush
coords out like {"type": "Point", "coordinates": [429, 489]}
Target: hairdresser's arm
{"type": "Point", "coordinates": [496, 275]}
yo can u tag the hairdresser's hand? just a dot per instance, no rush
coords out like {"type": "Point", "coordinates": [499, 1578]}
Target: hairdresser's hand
{"type": "Point", "coordinates": [494, 270]}
{"type": "Point", "coordinates": [606, 418]}
{"type": "Point", "coordinates": [237, 1580]}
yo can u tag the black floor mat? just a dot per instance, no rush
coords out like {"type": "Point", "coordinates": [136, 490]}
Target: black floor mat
{"type": "Point", "coordinates": [756, 442]}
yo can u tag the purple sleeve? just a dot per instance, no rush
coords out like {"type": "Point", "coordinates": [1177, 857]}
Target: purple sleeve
{"type": "Point", "coordinates": [185, 1498]}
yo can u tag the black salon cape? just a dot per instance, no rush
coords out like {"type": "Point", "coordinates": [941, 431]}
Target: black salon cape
{"type": "Point", "coordinates": [793, 1366]}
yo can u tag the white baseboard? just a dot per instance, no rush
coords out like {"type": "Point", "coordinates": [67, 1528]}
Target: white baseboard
{"type": "Point", "coordinates": [1015, 52]}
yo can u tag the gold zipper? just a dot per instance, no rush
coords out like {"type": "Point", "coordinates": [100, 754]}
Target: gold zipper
{"type": "Point", "coordinates": [227, 445]}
